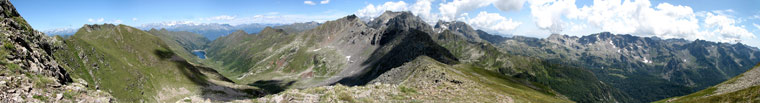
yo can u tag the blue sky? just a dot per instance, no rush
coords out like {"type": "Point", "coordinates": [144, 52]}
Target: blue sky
{"type": "Point", "coordinates": [713, 20]}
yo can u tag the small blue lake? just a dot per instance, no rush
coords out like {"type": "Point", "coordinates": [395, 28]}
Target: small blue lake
{"type": "Point", "coordinates": [200, 53]}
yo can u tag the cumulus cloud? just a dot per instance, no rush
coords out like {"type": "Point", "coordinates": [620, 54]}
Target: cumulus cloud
{"type": "Point", "coordinates": [640, 18]}
{"type": "Point", "coordinates": [309, 2]}
{"type": "Point", "coordinates": [451, 11]}
{"type": "Point", "coordinates": [509, 5]}
{"type": "Point", "coordinates": [548, 13]}
{"type": "Point", "coordinates": [324, 1]}
{"type": "Point", "coordinates": [371, 11]}
{"type": "Point", "coordinates": [134, 19]}
{"type": "Point", "coordinates": [725, 27]}
{"type": "Point", "coordinates": [454, 10]}
{"type": "Point", "coordinates": [422, 9]}
{"type": "Point", "coordinates": [493, 22]}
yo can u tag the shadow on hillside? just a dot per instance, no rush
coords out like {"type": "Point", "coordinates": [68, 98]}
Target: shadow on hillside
{"type": "Point", "coordinates": [405, 47]}
{"type": "Point", "coordinates": [220, 91]}
{"type": "Point", "coordinates": [272, 86]}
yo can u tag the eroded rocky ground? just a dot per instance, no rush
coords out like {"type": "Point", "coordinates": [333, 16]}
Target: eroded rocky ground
{"type": "Point", "coordinates": [28, 71]}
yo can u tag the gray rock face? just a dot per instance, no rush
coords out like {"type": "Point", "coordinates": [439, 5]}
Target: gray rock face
{"type": "Point", "coordinates": [748, 79]}
{"type": "Point", "coordinates": [30, 49]}
{"type": "Point", "coordinates": [29, 72]}
{"type": "Point", "coordinates": [459, 28]}
{"type": "Point", "coordinates": [402, 37]}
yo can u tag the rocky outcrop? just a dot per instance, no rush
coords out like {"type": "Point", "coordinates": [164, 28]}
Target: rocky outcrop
{"type": "Point", "coordinates": [740, 89]}
{"type": "Point", "coordinates": [402, 38]}
{"type": "Point", "coordinates": [423, 79]}
{"type": "Point", "coordinates": [746, 80]}
{"type": "Point", "coordinates": [461, 29]}
{"type": "Point", "coordinates": [30, 72]}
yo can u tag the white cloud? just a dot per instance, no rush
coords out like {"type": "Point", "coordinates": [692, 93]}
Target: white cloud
{"type": "Point", "coordinates": [422, 9]}
{"type": "Point", "coordinates": [116, 22]}
{"type": "Point", "coordinates": [725, 27]}
{"type": "Point", "coordinates": [134, 19]}
{"type": "Point", "coordinates": [548, 14]}
{"type": "Point", "coordinates": [309, 2]}
{"type": "Point", "coordinates": [509, 5]}
{"type": "Point", "coordinates": [221, 17]}
{"type": "Point", "coordinates": [99, 20]}
{"type": "Point", "coordinates": [450, 11]}
{"type": "Point", "coordinates": [756, 26]}
{"type": "Point", "coordinates": [371, 11]}
{"type": "Point", "coordinates": [324, 1]}
{"type": "Point", "coordinates": [640, 18]}
{"type": "Point", "coordinates": [453, 10]}
{"type": "Point", "coordinates": [493, 22]}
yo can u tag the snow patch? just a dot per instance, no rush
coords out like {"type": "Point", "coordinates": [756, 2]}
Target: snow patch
{"type": "Point", "coordinates": [646, 60]}
{"type": "Point", "coordinates": [348, 59]}
{"type": "Point", "coordinates": [613, 45]}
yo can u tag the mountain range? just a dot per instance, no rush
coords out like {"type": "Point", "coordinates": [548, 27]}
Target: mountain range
{"type": "Point", "coordinates": [647, 68]}
{"type": "Point", "coordinates": [395, 57]}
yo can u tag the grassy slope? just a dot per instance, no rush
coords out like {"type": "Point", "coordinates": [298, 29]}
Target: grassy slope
{"type": "Point", "coordinates": [272, 54]}
{"type": "Point", "coordinates": [131, 64]}
{"type": "Point", "coordinates": [182, 43]}
{"type": "Point", "coordinates": [751, 94]}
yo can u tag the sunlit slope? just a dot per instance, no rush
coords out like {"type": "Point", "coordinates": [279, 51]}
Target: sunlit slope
{"type": "Point", "coordinates": [744, 88]}
{"type": "Point", "coordinates": [136, 66]}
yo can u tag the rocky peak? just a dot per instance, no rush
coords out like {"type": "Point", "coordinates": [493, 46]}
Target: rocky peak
{"type": "Point", "coordinates": [236, 34]}
{"type": "Point", "coordinates": [385, 17]}
{"type": "Point", "coordinates": [459, 28]}
{"type": "Point", "coordinates": [96, 27]}
{"type": "Point", "coordinates": [408, 21]}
